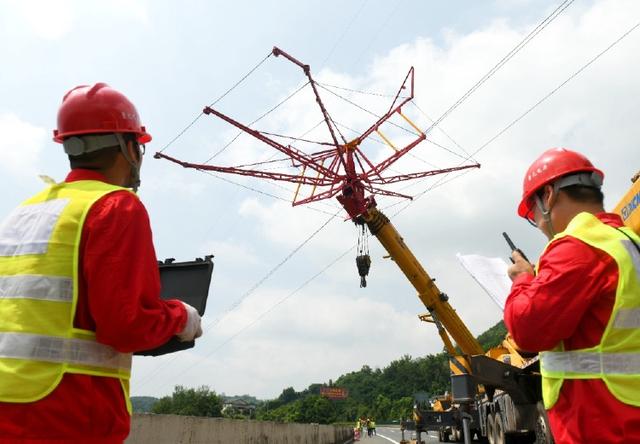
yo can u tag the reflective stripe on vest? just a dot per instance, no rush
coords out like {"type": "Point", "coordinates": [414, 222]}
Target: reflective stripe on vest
{"type": "Point", "coordinates": [51, 288]}
{"type": "Point", "coordinates": [591, 363]}
{"type": "Point", "coordinates": [28, 228]}
{"type": "Point", "coordinates": [39, 262]}
{"type": "Point", "coordinates": [627, 318]}
{"type": "Point", "coordinates": [616, 359]}
{"type": "Point", "coordinates": [51, 349]}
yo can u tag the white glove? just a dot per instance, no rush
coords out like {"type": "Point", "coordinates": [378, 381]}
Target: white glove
{"type": "Point", "coordinates": [192, 328]}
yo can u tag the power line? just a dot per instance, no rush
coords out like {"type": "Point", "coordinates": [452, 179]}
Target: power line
{"type": "Point", "coordinates": [552, 92]}
{"type": "Point", "coordinates": [216, 101]}
{"type": "Point", "coordinates": [271, 308]}
{"type": "Point", "coordinates": [413, 102]}
{"type": "Point", "coordinates": [378, 32]}
{"type": "Point", "coordinates": [550, 18]}
{"type": "Point", "coordinates": [358, 91]}
{"type": "Point", "coordinates": [531, 108]}
{"type": "Point", "coordinates": [221, 150]}
{"type": "Point", "coordinates": [412, 132]}
{"type": "Point", "coordinates": [264, 193]}
{"type": "Point", "coordinates": [438, 183]}
{"type": "Point", "coordinates": [348, 27]}
{"type": "Point", "coordinates": [252, 289]}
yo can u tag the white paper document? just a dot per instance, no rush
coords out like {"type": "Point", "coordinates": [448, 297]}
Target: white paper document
{"type": "Point", "coordinates": [490, 273]}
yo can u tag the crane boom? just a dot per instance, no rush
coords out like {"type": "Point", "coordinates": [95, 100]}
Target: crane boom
{"type": "Point", "coordinates": [430, 295]}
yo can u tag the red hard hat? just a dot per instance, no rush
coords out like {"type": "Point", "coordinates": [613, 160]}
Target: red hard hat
{"type": "Point", "coordinates": [551, 165]}
{"type": "Point", "coordinates": [97, 109]}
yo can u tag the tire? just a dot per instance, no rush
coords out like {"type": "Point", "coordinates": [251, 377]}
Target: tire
{"type": "Point", "coordinates": [491, 426]}
{"type": "Point", "coordinates": [542, 430]}
{"type": "Point", "coordinates": [498, 430]}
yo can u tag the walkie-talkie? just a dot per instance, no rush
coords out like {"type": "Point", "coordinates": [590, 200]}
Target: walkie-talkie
{"type": "Point", "coordinates": [514, 248]}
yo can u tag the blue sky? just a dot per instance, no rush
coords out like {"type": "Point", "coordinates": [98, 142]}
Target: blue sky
{"type": "Point", "coordinates": [173, 58]}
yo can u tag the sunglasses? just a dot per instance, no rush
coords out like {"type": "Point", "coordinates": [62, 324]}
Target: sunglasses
{"type": "Point", "coordinates": [531, 207]}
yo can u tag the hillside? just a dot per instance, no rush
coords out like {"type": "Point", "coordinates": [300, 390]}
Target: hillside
{"type": "Point", "coordinates": [385, 394]}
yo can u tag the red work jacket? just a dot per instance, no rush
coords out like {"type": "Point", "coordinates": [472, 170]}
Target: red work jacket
{"type": "Point", "coordinates": [118, 298]}
{"type": "Point", "coordinates": [571, 300]}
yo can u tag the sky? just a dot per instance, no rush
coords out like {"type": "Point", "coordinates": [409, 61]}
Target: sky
{"type": "Point", "coordinates": [285, 308]}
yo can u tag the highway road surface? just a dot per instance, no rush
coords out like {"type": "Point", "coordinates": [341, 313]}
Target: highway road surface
{"type": "Point", "coordinates": [393, 435]}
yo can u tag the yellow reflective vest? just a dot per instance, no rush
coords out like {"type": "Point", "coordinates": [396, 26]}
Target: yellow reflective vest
{"type": "Point", "coordinates": [616, 359]}
{"type": "Point", "coordinates": [39, 254]}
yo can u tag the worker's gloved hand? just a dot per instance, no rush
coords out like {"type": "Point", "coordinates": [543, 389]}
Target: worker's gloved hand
{"type": "Point", "coordinates": [520, 265]}
{"type": "Point", "coordinates": [192, 328]}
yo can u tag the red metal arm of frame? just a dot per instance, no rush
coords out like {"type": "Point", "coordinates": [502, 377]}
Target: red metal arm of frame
{"type": "Point", "coordinates": [349, 173]}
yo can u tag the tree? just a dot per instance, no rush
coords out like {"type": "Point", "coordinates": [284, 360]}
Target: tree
{"type": "Point", "coordinates": [190, 402]}
{"type": "Point", "coordinates": [315, 408]}
{"type": "Point", "coordinates": [288, 395]}
{"type": "Point", "coordinates": [143, 404]}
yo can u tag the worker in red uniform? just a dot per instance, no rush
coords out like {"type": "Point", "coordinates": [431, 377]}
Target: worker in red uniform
{"type": "Point", "coordinates": [581, 306]}
{"type": "Point", "coordinates": [80, 286]}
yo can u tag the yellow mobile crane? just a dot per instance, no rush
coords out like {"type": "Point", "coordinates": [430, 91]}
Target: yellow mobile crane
{"type": "Point", "coordinates": [485, 386]}
{"type": "Point", "coordinates": [345, 172]}
{"type": "Point", "coordinates": [496, 394]}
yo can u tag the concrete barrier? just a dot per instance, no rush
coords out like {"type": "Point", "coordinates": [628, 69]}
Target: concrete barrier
{"type": "Point", "coordinates": [174, 429]}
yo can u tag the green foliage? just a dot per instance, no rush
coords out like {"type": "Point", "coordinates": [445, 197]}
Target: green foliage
{"type": "Point", "coordinates": [493, 336]}
{"type": "Point", "coordinates": [143, 404]}
{"type": "Point", "coordinates": [384, 394]}
{"type": "Point", "coordinates": [190, 402]}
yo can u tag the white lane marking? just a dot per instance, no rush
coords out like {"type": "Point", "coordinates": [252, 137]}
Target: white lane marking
{"type": "Point", "coordinates": [388, 439]}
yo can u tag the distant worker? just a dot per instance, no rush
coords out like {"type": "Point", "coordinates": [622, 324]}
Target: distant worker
{"type": "Point", "coordinates": [581, 309]}
{"type": "Point", "coordinates": [373, 427]}
{"type": "Point", "coordinates": [79, 284]}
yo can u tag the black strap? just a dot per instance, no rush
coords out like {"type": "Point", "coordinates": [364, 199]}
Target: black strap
{"type": "Point", "coordinates": [630, 238]}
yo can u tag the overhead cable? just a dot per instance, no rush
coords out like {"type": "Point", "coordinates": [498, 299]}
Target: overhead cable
{"type": "Point", "coordinates": [268, 310]}
{"type": "Point", "coordinates": [254, 287]}
{"type": "Point", "coordinates": [221, 150]}
{"type": "Point", "coordinates": [216, 101]}
{"type": "Point", "coordinates": [550, 18]}
{"type": "Point", "coordinates": [344, 32]}
{"type": "Point", "coordinates": [528, 110]}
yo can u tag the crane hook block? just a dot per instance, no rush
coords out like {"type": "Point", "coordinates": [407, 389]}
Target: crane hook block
{"type": "Point", "coordinates": [364, 264]}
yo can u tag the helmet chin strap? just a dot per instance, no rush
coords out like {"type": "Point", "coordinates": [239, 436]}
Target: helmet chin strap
{"type": "Point", "coordinates": [546, 215]}
{"type": "Point", "coordinates": [134, 177]}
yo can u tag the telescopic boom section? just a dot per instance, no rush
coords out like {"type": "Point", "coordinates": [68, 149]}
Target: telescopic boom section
{"type": "Point", "coordinates": [428, 292]}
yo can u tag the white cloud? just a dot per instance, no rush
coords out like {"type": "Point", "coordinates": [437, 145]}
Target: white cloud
{"type": "Point", "coordinates": [22, 143]}
{"type": "Point", "coordinates": [45, 19]}
{"type": "Point", "coordinates": [52, 20]}
{"type": "Point", "coordinates": [334, 334]}
{"type": "Point", "coordinates": [331, 326]}
{"type": "Point", "coordinates": [466, 215]}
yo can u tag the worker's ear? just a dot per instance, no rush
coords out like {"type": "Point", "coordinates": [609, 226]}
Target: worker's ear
{"type": "Point", "coordinates": [549, 196]}
{"type": "Point", "coordinates": [134, 151]}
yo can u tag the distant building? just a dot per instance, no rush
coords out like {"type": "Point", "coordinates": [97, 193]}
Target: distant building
{"type": "Point", "coordinates": [238, 406]}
